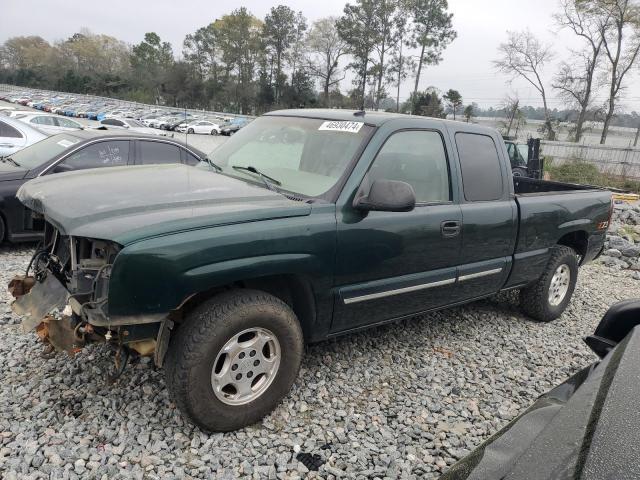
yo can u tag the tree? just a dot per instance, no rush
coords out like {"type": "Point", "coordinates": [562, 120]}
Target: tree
{"type": "Point", "coordinates": [432, 32]}
{"type": "Point", "coordinates": [390, 20]}
{"type": "Point", "coordinates": [454, 99]}
{"type": "Point", "coordinates": [25, 52]}
{"type": "Point", "coordinates": [326, 47]}
{"type": "Point", "coordinates": [619, 25]}
{"type": "Point", "coordinates": [200, 49]}
{"type": "Point", "coordinates": [359, 28]}
{"type": "Point", "coordinates": [427, 104]}
{"type": "Point", "coordinates": [242, 49]}
{"type": "Point", "coordinates": [151, 60]}
{"type": "Point", "coordinates": [524, 56]}
{"type": "Point", "coordinates": [576, 80]}
{"type": "Point", "coordinates": [511, 108]}
{"type": "Point", "coordinates": [468, 113]}
{"type": "Point", "coordinates": [279, 33]}
{"type": "Point", "coordinates": [400, 64]}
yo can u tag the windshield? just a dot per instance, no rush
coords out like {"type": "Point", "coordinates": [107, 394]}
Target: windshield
{"type": "Point", "coordinates": [134, 123]}
{"type": "Point", "coordinates": [44, 150]}
{"type": "Point", "coordinates": [306, 156]}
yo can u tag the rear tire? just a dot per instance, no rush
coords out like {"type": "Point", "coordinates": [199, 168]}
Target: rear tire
{"type": "Point", "coordinates": [547, 298]}
{"type": "Point", "coordinates": [190, 130]}
{"type": "Point", "coordinates": [214, 132]}
{"type": "Point", "coordinates": [216, 371]}
{"type": "Point", "coordinates": [519, 172]}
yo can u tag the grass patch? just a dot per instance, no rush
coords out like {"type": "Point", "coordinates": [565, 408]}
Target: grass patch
{"type": "Point", "coordinates": [578, 171]}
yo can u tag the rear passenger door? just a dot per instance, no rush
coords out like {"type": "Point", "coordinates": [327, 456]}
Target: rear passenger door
{"type": "Point", "coordinates": [489, 214]}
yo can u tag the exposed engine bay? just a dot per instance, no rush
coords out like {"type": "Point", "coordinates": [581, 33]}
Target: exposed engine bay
{"type": "Point", "coordinates": [63, 296]}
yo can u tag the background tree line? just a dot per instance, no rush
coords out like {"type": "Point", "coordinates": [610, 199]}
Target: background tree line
{"type": "Point", "coordinates": [244, 64]}
{"type": "Point", "coordinates": [241, 63]}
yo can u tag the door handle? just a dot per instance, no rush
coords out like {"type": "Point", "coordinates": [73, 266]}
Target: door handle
{"type": "Point", "coordinates": [450, 228]}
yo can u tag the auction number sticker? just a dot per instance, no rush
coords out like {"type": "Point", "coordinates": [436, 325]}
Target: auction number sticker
{"type": "Point", "coordinates": [351, 127]}
{"type": "Point", "coordinates": [66, 143]}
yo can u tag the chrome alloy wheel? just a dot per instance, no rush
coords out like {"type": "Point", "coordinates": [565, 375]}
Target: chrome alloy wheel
{"type": "Point", "coordinates": [245, 366]}
{"type": "Point", "coordinates": [559, 285]}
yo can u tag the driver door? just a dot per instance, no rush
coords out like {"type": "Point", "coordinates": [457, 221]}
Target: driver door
{"type": "Point", "coordinates": [392, 264]}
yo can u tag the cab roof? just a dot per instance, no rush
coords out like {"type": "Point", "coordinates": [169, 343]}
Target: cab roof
{"type": "Point", "coordinates": [369, 117]}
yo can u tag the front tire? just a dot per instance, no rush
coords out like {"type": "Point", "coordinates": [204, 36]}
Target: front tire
{"type": "Point", "coordinates": [214, 132]}
{"type": "Point", "coordinates": [234, 359]}
{"type": "Point", "coordinates": [547, 298]}
{"type": "Point", "coordinates": [190, 130]}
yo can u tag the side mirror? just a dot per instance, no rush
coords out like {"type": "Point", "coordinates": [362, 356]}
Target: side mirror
{"type": "Point", "coordinates": [61, 168]}
{"type": "Point", "coordinates": [387, 196]}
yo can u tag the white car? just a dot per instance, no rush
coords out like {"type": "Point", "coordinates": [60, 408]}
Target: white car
{"type": "Point", "coordinates": [129, 124]}
{"type": "Point", "coordinates": [200, 126]}
{"type": "Point", "coordinates": [48, 123]}
{"type": "Point", "coordinates": [15, 135]}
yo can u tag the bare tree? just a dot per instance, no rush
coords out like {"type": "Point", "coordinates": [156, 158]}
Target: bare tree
{"type": "Point", "coordinates": [619, 24]}
{"type": "Point", "coordinates": [511, 107]}
{"type": "Point", "coordinates": [326, 47]}
{"type": "Point", "coordinates": [522, 55]}
{"type": "Point", "coordinates": [576, 80]}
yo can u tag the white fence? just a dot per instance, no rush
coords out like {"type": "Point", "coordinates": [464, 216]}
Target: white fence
{"type": "Point", "coordinates": [620, 161]}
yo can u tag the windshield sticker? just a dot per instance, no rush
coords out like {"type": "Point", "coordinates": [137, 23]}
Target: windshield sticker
{"type": "Point", "coordinates": [66, 143]}
{"type": "Point", "coordinates": [351, 127]}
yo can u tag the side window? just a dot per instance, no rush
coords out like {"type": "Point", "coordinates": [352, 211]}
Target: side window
{"type": "Point", "coordinates": [64, 122]}
{"type": "Point", "coordinates": [158, 152]}
{"type": "Point", "coordinates": [8, 131]}
{"type": "Point", "coordinates": [44, 120]}
{"type": "Point", "coordinates": [417, 158]}
{"type": "Point", "coordinates": [96, 155]}
{"type": "Point", "coordinates": [481, 172]}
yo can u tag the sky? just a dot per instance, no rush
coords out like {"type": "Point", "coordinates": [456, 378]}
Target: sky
{"type": "Point", "coordinates": [467, 64]}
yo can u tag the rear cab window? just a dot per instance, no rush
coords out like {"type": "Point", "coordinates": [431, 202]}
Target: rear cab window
{"type": "Point", "coordinates": [481, 167]}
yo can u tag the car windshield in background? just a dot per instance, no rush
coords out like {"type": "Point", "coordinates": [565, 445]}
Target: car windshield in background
{"type": "Point", "coordinates": [306, 156]}
{"type": "Point", "coordinates": [43, 151]}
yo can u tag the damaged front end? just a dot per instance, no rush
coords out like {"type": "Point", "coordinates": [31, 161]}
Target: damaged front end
{"type": "Point", "coordinates": [63, 296]}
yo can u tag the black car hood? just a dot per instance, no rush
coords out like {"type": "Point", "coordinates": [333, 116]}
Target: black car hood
{"type": "Point", "coordinates": [11, 172]}
{"type": "Point", "coordinates": [126, 204]}
{"type": "Point", "coordinates": [587, 428]}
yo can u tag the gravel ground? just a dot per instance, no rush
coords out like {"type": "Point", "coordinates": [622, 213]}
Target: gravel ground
{"type": "Point", "coordinates": [401, 401]}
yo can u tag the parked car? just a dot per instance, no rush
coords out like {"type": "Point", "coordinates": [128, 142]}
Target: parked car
{"type": "Point", "coordinates": [307, 224]}
{"type": "Point", "coordinates": [128, 124]}
{"type": "Point", "coordinates": [50, 124]}
{"type": "Point", "coordinates": [585, 428]}
{"type": "Point", "coordinates": [16, 135]}
{"type": "Point", "coordinates": [200, 126]}
{"type": "Point", "coordinates": [79, 150]}
{"type": "Point", "coordinates": [229, 130]}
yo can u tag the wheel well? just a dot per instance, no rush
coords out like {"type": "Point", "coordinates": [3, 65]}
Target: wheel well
{"type": "Point", "coordinates": [578, 240]}
{"type": "Point", "coordinates": [295, 290]}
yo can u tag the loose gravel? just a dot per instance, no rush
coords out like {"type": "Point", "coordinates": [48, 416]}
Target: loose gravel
{"type": "Point", "coordinates": [400, 401]}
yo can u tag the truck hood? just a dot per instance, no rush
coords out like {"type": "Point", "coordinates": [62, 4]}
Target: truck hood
{"type": "Point", "coordinates": [126, 204]}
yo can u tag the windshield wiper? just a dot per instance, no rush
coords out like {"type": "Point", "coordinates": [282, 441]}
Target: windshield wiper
{"type": "Point", "coordinates": [217, 168]}
{"type": "Point", "coordinates": [11, 160]}
{"type": "Point", "coordinates": [266, 179]}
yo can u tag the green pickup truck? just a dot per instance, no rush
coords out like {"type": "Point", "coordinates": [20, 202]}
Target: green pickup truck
{"type": "Point", "coordinates": [305, 225]}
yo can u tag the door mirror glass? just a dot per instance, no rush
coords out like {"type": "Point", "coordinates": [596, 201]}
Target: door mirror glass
{"type": "Point", "coordinates": [387, 196]}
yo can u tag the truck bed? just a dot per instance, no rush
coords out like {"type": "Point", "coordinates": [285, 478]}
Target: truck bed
{"type": "Point", "coordinates": [531, 186]}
